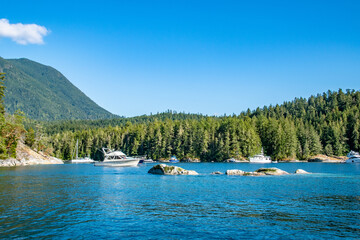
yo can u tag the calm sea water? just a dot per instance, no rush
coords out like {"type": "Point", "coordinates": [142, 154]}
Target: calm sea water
{"type": "Point", "coordinates": [87, 202]}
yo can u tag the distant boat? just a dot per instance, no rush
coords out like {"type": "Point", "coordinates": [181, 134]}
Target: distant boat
{"type": "Point", "coordinates": [173, 159]}
{"type": "Point", "coordinates": [143, 159]}
{"type": "Point", "coordinates": [80, 160]}
{"type": "Point", "coordinates": [260, 158]}
{"type": "Point", "coordinates": [353, 157]}
{"type": "Point", "coordinates": [117, 159]}
{"type": "Point", "coordinates": [148, 161]}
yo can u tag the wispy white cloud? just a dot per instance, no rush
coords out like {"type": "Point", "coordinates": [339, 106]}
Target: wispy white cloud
{"type": "Point", "coordinates": [23, 33]}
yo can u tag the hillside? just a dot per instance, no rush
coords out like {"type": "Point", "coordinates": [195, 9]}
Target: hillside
{"type": "Point", "coordinates": [52, 127]}
{"type": "Point", "coordinates": [43, 93]}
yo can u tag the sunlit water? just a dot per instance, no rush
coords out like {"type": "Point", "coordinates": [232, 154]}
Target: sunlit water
{"type": "Point", "coordinates": [86, 202]}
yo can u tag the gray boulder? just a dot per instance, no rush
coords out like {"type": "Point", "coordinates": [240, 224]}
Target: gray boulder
{"type": "Point", "coordinates": [300, 171]}
{"type": "Point", "coordinates": [217, 173]}
{"type": "Point", "coordinates": [271, 171]}
{"type": "Point", "coordinates": [163, 169]}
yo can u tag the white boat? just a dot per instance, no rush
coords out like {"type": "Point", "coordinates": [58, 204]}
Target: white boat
{"type": "Point", "coordinates": [260, 158]}
{"type": "Point", "coordinates": [148, 161]}
{"type": "Point", "coordinates": [353, 157]}
{"type": "Point", "coordinates": [80, 160]}
{"type": "Point", "coordinates": [117, 159]}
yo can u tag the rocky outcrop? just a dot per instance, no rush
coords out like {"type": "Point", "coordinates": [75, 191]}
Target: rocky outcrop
{"type": "Point", "coordinates": [233, 160]}
{"type": "Point", "coordinates": [163, 169]}
{"type": "Point", "coordinates": [259, 172]}
{"type": "Point", "coordinates": [26, 156]}
{"type": "Point", "coordinates": [325, 158]}
{"type": "Point", "coordinates": [271, 171]}
{"type": "Point", "coordinates": [190, 160]}
{"type": "Point", "coordinates": [300, 171]}
{"type": "Point", "coordinates": [238, 172]}
{"type": "Point", "coordinates": [217, 173]}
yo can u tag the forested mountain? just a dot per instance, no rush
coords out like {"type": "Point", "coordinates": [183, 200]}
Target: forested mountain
{"type": "Point", "coordinates": [43, 93]}
{"type": "Point", "coordinates": [327, 123]}
{"type": "Point", "coordinates": [52, 127]}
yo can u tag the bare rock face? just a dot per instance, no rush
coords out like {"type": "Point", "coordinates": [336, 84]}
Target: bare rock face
{"type": "Point", "coordinates": [163, 169]}
{"type": "Point", "coordinates": [300, 171]}
{"type": "Point", "coordinates": [271, 171]}
{"type": "Point", "coordinates": [26, 156]}
{"type": "Point", "coordinates": [324, 158]}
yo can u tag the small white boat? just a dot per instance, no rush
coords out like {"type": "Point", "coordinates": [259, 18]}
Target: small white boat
{"type": "Point", "coordinates": [353, 157]}
{"type": "Point", "coordinates": [148, 161]}
{"type": "Point", "coordinates": [80, 160]}
{"type": "Point", "coordinates": [260, 158]}
{"type": "Point", "coordinates": [117, 159]}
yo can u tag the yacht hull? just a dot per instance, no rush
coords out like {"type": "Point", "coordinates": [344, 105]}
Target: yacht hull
{"type": "Point", "coordinates": [251, 160]}
{"type": "Point", "coordinates": [353, 160]}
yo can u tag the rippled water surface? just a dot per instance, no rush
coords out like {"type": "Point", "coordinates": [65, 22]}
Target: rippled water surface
{"type": "Point", "coordinates": [86, 202]}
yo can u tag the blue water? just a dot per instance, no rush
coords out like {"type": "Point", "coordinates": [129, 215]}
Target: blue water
{"type": "Point", "coordinates": [86, 202]}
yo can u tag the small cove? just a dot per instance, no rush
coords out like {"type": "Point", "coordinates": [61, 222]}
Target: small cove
{"type": "Point", "coordinates": [86, 202]}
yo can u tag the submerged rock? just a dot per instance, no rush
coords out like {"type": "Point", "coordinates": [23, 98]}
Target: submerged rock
{"type": "Point", "coordinates": [217, 173]}
{"type": "Point", "coordinates": [300, 171]}
{"type": "Point", "coordinates": [163, 169]}
{"type": "Point", "coordinates": [271, 171]}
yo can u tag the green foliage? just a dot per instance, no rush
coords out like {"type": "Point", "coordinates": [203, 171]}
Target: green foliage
{"type": "Point", "coordinates": [11, 127]}
{"type": "Point", "coordinates": [327, 123]}
{"type": "Point", "coordinates": [3, 150]}
{"type": "Point", "coordinates": [12, 131]}
{"type": "Point", "coordinates": [30, 137]}
{"type": "Point", "coordinates": [44, 93]}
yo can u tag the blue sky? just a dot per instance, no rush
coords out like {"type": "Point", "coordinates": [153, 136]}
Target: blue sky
{"type": "Point", "coordinates": [210, 57]}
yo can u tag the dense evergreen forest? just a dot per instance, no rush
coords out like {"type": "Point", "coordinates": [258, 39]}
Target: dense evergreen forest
{"type": "Point", "coordinates": [324, 124]}
{"type": "Point", "coordinates": [11, 127]}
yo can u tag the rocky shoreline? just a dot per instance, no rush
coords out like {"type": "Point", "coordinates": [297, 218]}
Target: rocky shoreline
{"type": "Point", "coordinates": [26, 156]}
{"type": "Point", "coordinates": [163, 169]}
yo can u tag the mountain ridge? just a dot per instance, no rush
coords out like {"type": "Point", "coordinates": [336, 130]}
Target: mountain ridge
{"type": "Point", "coordinates": [44, 93]}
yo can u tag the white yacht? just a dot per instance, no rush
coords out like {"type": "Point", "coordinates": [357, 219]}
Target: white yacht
{"type": "Point", "coordinates": [80, 160]}
{"type": "Point", "coordinates": [117, 159]}
{"type": "Point", "coordinates": [353, 157]}
{"type": "Point", "coordinates": [260, 158]}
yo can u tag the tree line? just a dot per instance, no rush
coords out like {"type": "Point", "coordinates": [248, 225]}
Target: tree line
{"type": "Point", "coordinates": [11, 127]}
{"type": "Point", "coordinates": [324, 124]}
